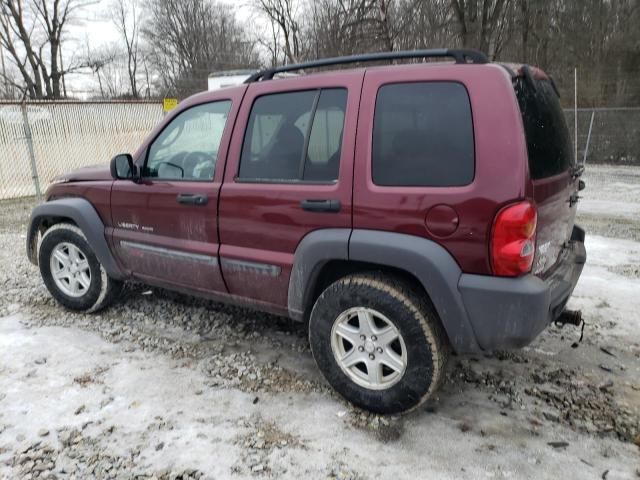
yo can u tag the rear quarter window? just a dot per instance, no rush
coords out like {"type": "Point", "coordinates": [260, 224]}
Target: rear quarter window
{"type": "Point", "coordinates": [548, 140]}
{"type": "Point", "coordinates": [423, 135]}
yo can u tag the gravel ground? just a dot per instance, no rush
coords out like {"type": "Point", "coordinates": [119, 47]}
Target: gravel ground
{"type": "Point", "coordinates": [167, 386]}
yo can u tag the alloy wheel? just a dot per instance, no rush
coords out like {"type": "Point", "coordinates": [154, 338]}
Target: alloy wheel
{"type": "Point", "coordinates": [70, 269]}
{"type": "Point", "coordinates": [368, 348]}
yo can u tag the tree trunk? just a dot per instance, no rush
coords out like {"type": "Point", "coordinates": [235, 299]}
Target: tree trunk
{"type": "Point", "coordinates": [387, 37]}
{"type": "Point", "coordinates": [55, 70]}
{"type": "Point", "coordinates": [524, 11]}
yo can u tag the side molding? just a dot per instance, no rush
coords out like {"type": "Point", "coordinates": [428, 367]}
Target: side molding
{"type": "Point", "coordinates": [85, 216]}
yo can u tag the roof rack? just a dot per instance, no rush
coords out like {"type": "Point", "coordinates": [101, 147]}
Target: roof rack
{"type": "Point", "coordinates": [460, 56]}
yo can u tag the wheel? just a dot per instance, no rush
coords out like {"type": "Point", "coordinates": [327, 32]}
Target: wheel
{"type": "Point", "coordinates": [71, 271]}
{"type": "Point", "coordinates": [378, 342]}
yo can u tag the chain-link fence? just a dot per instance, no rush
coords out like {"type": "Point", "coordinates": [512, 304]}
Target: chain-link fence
{"type": "Point", "coordinates": [607, 135]}
{"type": "Point", "coordinates": [41, 140]}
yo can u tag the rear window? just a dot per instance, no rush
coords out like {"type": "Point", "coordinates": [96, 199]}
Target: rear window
{"type": "Point", "coordinates": [548, 140]}
{"type": "Point", "coordinates": [423, 135]}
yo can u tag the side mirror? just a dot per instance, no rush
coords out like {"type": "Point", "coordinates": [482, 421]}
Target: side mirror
{"type": "Point", "coordinates": [122, 167]}
{"type": "Point", "coordinates": [581, 185]}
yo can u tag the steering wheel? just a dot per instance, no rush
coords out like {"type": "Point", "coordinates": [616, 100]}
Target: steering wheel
{"type": "Point", "coordinates": [197, 162]}
{"type": "Point", "coordinates": [172, 165]}
{"type": "Point", "coordinates": [198, 157]}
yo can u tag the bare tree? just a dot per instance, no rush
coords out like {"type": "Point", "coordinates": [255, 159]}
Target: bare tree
{"type": "Point", "coordinates": [125, 15]}
{"type": "Point", "coordinates": [175, 44]}
{"type": "Point", "coordinates": [269, 40]}
{"type": "Point", "coordinates": [100, 62]}
{"type": "Point", "coordinates": [339, 27]}
{"type": "Point", "coordinates": [188, 39]}
{"type": "Point", "coordinates": [13, 30]}
{"type": "Point", "coordinates": [387, 24]}
{"type": "Point", "coordinates": [284, 16]}
{"type": "Point", "coordinates": [113, 81]}
{"type": "Point", "coordinates": [10, 87]}
{"type": "Point", "coordinates": [481, 23]}
{"type": "Point", "coordinates": [31, 31]}
{"type": "Point", "coordinates": [426, 24]}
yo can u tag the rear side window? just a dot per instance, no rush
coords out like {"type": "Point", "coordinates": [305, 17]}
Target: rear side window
{"type": "Point", "coordinates": [548, 140]}
{"type": "Point", "coordinates": [325, 138]}
{"type": "Point", "coordinates": [423, 135]}
{"type": "Point", "coordinates": [294, 137]}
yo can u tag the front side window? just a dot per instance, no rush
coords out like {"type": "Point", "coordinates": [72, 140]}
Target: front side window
{"type": "Point", "coordinates": [294, 136]}
{"type": "Point", "coordinates": [187, 148]}
{"type": "Point", "coordinates": [423, 135]}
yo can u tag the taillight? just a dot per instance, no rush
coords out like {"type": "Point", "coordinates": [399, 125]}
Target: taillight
{"type": "Point", "coordinates": [513, 239]}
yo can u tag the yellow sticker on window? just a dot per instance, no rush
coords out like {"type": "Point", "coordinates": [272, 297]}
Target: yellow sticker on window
{"type": "Point", "coordinates": [169, 104]}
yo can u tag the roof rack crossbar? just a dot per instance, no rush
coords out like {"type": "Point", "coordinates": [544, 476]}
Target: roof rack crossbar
{"type": "Point", "coordinates": [459, 55]}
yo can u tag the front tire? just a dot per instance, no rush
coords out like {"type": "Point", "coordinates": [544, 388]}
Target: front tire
{"type": "Point", "coordinates": [71, 271]}
{"type": "Point", "coordinates": [378, 342]}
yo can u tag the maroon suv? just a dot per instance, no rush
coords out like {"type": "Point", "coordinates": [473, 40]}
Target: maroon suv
{"type": "Point", "coordinates": [402, 211]}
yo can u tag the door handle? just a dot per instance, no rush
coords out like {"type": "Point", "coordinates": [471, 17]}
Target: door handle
{"type": "Point", "coordinates": [320, 205]}
{"type": "Point", "coordinates": [191, 199]}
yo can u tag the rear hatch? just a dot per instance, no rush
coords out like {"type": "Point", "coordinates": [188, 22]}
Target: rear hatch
{"type": "Point", "coordinates": [552, 167]}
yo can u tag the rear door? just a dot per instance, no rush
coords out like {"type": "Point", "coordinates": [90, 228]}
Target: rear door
{"type": "Point", "coordinates": [165, 227]}
{"type": "Point", "coordinates": [415, 156]}
{"type": "Point", "coordinates": [551, 168]}
{"type": "Point", "coordinates": [289, 172]}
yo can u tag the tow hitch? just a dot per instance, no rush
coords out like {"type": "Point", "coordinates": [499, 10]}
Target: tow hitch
{"type": "Point", "coordinates": [571, 317]}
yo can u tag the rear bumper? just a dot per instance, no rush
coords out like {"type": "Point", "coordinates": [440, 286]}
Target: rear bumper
{"type": "Point", "coordinates": [511, 312]}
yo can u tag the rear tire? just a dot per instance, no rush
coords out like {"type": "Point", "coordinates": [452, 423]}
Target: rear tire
{"type": "Point", "coordinates": [378, 342]}
{"type": "Point", "coordinates": [71, 271]}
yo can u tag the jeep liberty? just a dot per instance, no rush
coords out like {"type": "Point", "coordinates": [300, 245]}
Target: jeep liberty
{"type": "Point", "coordinates": [403, 211]}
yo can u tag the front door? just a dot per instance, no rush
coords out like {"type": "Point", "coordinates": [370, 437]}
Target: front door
{"type": "Point", "coordinates": [289, 172]}
{"type": "Point", "coordinates": [165, 226]}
